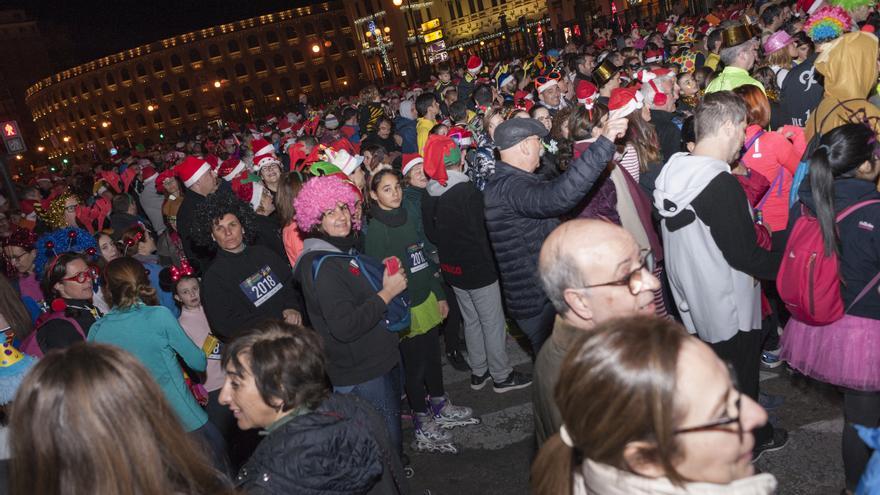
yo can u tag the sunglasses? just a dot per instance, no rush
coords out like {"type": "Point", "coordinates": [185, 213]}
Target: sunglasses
{"type": "Point", "coordinates": [91, 274]}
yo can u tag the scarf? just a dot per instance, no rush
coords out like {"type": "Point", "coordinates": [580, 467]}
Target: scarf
{"type": "Point", "coordinates": [391, 218]}
{"type": "Point", "coordinates": [344, 244]}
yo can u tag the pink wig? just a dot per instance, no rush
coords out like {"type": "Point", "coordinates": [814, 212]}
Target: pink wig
{"type": "Point", "coordinates": [322, 194]}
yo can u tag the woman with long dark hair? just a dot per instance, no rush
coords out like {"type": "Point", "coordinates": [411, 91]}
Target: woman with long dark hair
{"type": "Point", "coordinates": [15, 321]}
{"type": "Point", "coordinates": [130, 442]}
{"type": "Point", "coordinates": [843, 172]}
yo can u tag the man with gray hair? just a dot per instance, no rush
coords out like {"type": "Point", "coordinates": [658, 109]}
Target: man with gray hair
{"type": "Point", "coordinates": [588, 283]}
{"type": "Point", "coordinates": [738, 53]}
{"type": "Point", "coordinates": [711, 250]}
{"type": "Point", "coordinates": [661, 91]}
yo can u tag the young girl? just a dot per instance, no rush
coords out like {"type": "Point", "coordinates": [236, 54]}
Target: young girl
{"type": "Point", "coordinates": [393, 233]}
{"type": "Point", "coordinates": [183, 282]}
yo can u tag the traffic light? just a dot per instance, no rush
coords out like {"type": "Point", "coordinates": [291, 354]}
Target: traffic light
{"type": "Point", "coordinates": [52, 169]}
{"type": "Point", "coordinates": [64, 161]}
{"type": "Point", "coordinates": [161, 135]}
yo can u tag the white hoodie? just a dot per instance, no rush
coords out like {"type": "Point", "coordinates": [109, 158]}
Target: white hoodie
{"type": "Point", "coordinates": [715, 300]}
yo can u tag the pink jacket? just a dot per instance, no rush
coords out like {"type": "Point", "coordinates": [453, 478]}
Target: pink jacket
{"type": "Point", "coordinates": [776, 158]}
{"type": "Point", "coordinates": [293, 242]}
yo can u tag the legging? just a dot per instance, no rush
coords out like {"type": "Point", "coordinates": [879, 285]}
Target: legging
{"type": "Point", "coordinates": [422, 369]}
{"type": "Point", "coordinates": [862, 408]}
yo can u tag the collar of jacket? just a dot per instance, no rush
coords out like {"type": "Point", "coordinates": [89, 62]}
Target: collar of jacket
{"type": "Point", "coordinates": [596, 478]}
{"type": "Point", "coordinates": [283, 420]}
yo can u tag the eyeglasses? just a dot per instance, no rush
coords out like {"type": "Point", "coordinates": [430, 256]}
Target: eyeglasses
{"type": "Point", "coordinates": [81, 277]}
{"type": "Point", "coordinates": [726, 420]}
{"type": "Point", "coordinates": [633, 280]}
{"type": "Point", "coordinates": [17, 259]}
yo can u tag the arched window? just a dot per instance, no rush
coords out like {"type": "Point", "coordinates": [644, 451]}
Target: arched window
{"type": "Point", "coordinates": [141, 72]}
{"type": "Point", "coordinates": [240, 70]}
{"type": "Point", "coordinates": [333, 49]}
{"type": "Point", "coordinates": [148, 93]}
{"type": "Point", "coordinates": [233, 46]}
{"type": "Point", "coordinates": [259, 65]}
{"type": "Point", "coordinates": [271, 37]}
{"type": "Point", "coordinates": [92, 110]}
{"type": "Point", "coordinates": [213, 51]}
{"type": "Point", "coordinates": [252, 41]}
{"type": "Point", "coordinates": [278, 60]}
{"type": "Point", "coordinates": [110, 80]}
{"type": "Point", "coordinates": [221, 74]}
{"type": "Point", "coordinates": [340, 72]}
{"type": "Point", "coordinates": [290, 32]}
{"type": "Point", "coordinates": [157, 117]}
{"type": "Point", "coordinates": [126, 127]}
{"type": "Point", "coordinates": [96, 85]}
{"type": "Point", "coordinates": [322, 75]}
{"type": "Point", "coordinates": [119, 105]}
{"type": "Point", "coordinates": [173, 112]}
{"type": "Point", "coordinates": [83, 90]}
{"type": "Point", "coordinates": [266, 89]}
{"type": "Point", "coordinates": [349, 44]}
{"type": "Point", "coordinates": [141, 121]}
{"type": "Point", "coordinates": [247, 93]}
{"type": "Point", "coordinates": [166, 88]}
{"type": "Point", "coordinates": [157, 65]}
{"type": "Point", "coordinates": [326, 25]}
{"type": "Point", "coordinates": [191, 108]}
{"type": "Point", "coordinates": [175, 60]}
{"type": "Point", "coordinates": [195, 56]}
{"type": "Point", "coordinates": [309, 28]}
{"type": "Point", "coordinates": [104, 108]}
{"type": "Point", "coordinates": [343, 21]}
{"type": "Point", "coordinates": [304, 79]}
{"type": "Point", "coordinates": [183, 84]}
{"type": "Point", "coordinates": [297, 56]}
{"type": "Point", "coordinates": [229, 98]}
{"type": "Point", "coordinates": [132, 98]}
{"type": "Point", "coordinates": [286, 85]}
{"type": "Point", "coordinates": [125, 75]}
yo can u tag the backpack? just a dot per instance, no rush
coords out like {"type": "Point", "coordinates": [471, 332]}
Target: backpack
{"type": "Point", "coordinates": [30, 346]}
{"type": "Point", "coordinates": [397, 315]}
{"type": "Point", "coordinates": [808, 280]}
{"type": "Point", "coordinates": [803, 167]}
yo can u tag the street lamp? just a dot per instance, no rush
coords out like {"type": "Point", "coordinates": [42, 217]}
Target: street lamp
{"type": "Point", "coordinates": [18, 157]}
{"type": "Point", "coordinates": [150, 107]}
{"type": "Point", "coordinates": [105, 124]}
{"type": "Point", "coordinates": [66, 139]}
{"type": "Point", "coordinates": [40, 149]}
{"type": "Point", "coordinates": [316, 48]}
{"type": "Point", "coordinates": [217, 84]}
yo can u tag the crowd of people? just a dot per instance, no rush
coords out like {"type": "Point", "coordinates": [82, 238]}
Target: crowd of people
{"type": "Point", "coordinates": [656, 213]}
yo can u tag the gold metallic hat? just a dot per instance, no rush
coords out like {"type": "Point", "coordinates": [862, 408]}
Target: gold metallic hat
{"type": "Point", "coordinates": [735, 35]}
{"type": "Point", "coordinates": [604, 72]}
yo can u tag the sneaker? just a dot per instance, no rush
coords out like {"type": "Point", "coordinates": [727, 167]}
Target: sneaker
{"type": "Point", "coordinates": [447, 412]}
{"type": "Point", "coordinates": [769, 401]}
{"type": "Point", "coordinates": [515, 381]}
{"type": "Point", "coordinates": [778, 442]}
{"type": "Point", "coordinates": [427, 430]}
{"type": "Point", "coordinates": [478, 382]}
{"type": "Point", "coordinates": [770, 359]}
{"type": "Point", "coordinates": [456, 360]}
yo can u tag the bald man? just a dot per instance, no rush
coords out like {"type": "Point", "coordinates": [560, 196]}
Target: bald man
{"type": "Point", "coordinates": [588, 283]}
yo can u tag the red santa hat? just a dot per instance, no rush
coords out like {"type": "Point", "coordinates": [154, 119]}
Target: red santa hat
{"type": "Point", "coordinates": [231, 168]}
{"type": "Point", "coordinates": [248, 191]}
{"type": "Point", "coordinates": [624, 101]}
{"type": "Point", "coordinates": [809, 6]}
{"type": "Point", "coordinates": [544, 83]}
{"type": "Point", "coordinates": [264, 153]}
{"type": "Point", "coordinates": [149, 173]}
{"type": "Point", "coordinates": [586, 93]}
{"type": "Point", "coordinates": [410, 160]}
{"type": "Point", "coordinates": [191, 170]}
{"type": "Point", "coordinates": [213, 161]}
{"type": "Point", "coordinates": [285, 126]}
{"type": "Point", "coordinates": [474, 64]}
{"type": "Point", "coordinates": [652, 56]}
{"type": "Point", "coordinates": [462, 136]}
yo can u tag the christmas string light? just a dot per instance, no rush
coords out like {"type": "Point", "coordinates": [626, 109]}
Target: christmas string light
{"type": "Point", "coordinates": [489, 37]}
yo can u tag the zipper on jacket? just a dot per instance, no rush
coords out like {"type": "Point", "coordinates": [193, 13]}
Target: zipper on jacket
{"type": "Point", "coordinates": [812, 299]}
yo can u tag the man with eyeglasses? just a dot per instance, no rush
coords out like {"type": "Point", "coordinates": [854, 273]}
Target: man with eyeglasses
{"type": "Point", "coordinates": [550, 93]}
{"type": "Point", "coordinates": [711, 251]}
{"type": "Point", "coordinates": [588, 284]}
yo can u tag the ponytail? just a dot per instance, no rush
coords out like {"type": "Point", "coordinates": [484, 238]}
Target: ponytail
{"type": "Point", "coordinates": [553, 469]}
{"type": "Point", "coordinates": [822, 186]}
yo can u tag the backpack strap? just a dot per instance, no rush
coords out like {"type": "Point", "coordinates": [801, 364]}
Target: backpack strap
{"type": "Point", "coordinates": [776, 184]}
{"type": "Point", "coordinates": [318, 261]}
{"type": "Point", "coordinates": [864, 291]}
{"type": "Point", "coordinates": [847, 211]}
{"type": "Point", "coordinates": [751, 142]}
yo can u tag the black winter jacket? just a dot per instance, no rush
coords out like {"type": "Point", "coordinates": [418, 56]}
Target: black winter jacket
{"type": "Point", "coordinates": [455, 222]}
{"type": "Point", "coordinates": [668, 133]}
{"type": "Point", "coordinates": [348, 314]}
{"type": "Point", "coordinates": [342, 447]}
{"type": "Point", "coordinates": [521, 211]}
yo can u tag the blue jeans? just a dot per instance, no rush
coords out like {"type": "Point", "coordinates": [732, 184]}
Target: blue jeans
{"type": "Point", "coordinates": [383, 393]}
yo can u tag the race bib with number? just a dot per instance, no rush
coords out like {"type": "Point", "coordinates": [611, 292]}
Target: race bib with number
{"type": "Point", "coordinates": [261, 286]}
{"type": "Point", "coordinates": [212, 348]}
{"type": "Point", "coordinates": [415, 256]}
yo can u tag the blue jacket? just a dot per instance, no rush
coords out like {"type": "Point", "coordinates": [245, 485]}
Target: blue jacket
{"type": "Point", "coordinates": [522, 209]}
{"type": "Point", "coordinates": [155, 338]}
{"type": "Point", "coordinates": [406, 129]}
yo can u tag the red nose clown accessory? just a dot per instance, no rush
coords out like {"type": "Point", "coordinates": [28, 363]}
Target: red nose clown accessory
{"type": "Point", "coordinates": [440, 151]}
{"type": "Point", "coordinates": [623, 102]}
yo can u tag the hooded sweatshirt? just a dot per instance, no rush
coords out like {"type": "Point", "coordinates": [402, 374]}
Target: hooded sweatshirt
{"type": "Point", "coordinates": [454, 219]}
{"type": "Point", "coordinates": [710, 247]}
{"type": "Point", "coordinates": [849, 65]}
{"type": "Point", "coordinates": [405, 127]}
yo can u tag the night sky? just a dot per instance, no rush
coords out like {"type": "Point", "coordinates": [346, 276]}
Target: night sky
{"type": "Point", "coordinates": [79, 30]}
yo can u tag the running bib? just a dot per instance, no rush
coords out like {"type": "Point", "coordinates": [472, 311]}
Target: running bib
{"type": "Point", "coordinates": [415, 256]}
{"type": "Point", "coordinates": [261, 286]}
{"type": "Point", "coordinates": [212, 348]}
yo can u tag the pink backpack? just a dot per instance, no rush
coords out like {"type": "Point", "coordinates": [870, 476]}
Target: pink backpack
{"type": "Point", "coordinates": [808, 281]}
{"type": "Point", "coordinates": [30, 346]}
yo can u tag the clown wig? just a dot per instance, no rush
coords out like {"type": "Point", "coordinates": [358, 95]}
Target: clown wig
{"type": "Point", "coordinates": [321, 194]}
{"type": "Point", "coordinates": [217, 206]}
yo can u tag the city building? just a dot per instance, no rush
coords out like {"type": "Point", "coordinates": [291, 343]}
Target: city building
{"type": "Point", "coordinates": [244, 67]}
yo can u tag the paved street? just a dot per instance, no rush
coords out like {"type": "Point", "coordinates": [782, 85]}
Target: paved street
{"type": "Point", "coordinates": [496, 455]}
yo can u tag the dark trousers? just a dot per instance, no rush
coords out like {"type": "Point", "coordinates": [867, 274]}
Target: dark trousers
{"type": "Point", "coordinates": [422, 369]}
{"type": "Point", "coordinates": [861, 408]}
{"type": "Point", "coordinates": [537, 328]}
{"type": "Point", "coordinates": [383, 392]}
{"type": "Point", "coordinates": [452, 326]}
{"type": "Point", "coordinates": [743, 352]}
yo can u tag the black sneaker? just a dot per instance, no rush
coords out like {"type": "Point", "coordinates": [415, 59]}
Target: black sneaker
{"type": "Point", "coordinates": [456, 360]}
{"type": "Point", "coordinates": [515, 381]}
{"type": "Point", "coordinates": [478, 382]}
{"type": "Point", "coordinates": [778, 442]}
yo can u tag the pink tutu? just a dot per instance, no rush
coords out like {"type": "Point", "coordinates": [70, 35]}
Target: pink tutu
{"type": "Point", "coordinates": [844, 353]}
